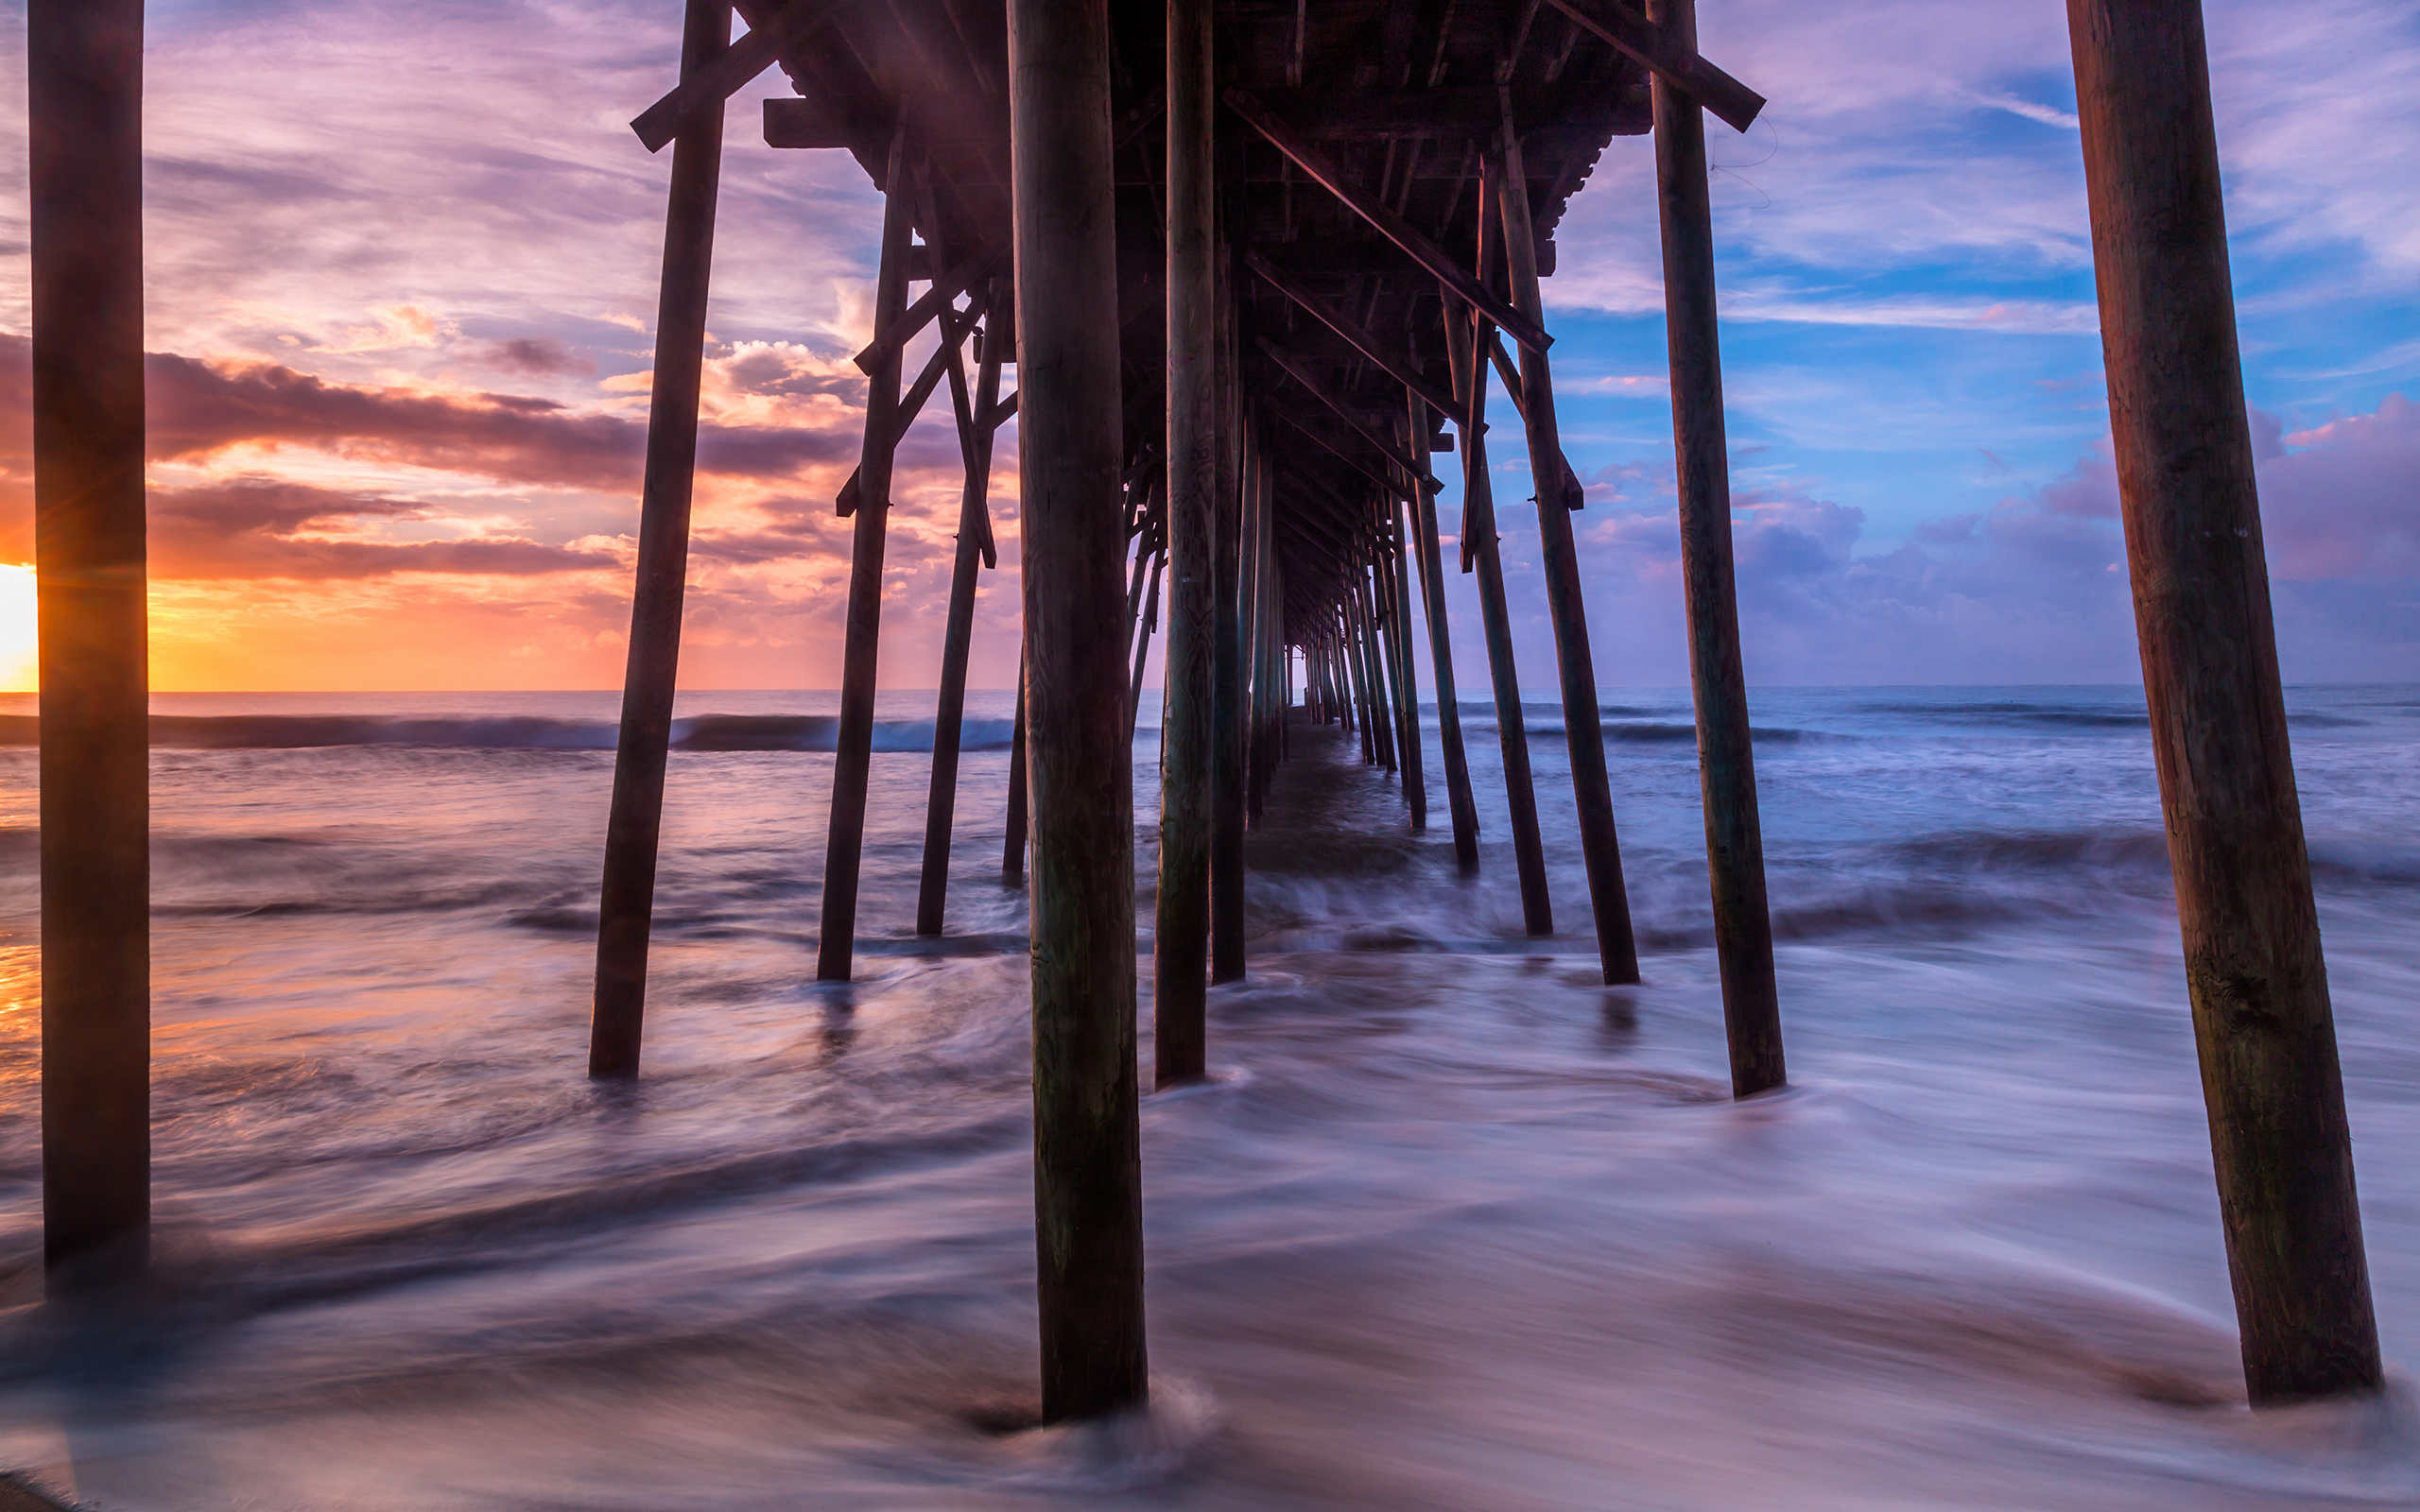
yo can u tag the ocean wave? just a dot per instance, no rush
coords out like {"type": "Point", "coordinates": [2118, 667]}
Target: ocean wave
{"type": "Point", "coordinates": [1657, 733]}
{"type": "Point", "coordinates": [2047, 715]}
{"type": "Point", "coordinates": [699, 732]}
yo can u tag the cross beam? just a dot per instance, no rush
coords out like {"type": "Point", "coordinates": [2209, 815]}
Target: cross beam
{"type": "Point", "coordinates": [1360, 340]}
{"type": "Point", "coordinates": [1440, 263]}
{"type": "Point", "coordinates": [729, 71]}
{"type": "Point", "coordinates": [1675, 62]}
{"type": "Point", "coordinates": [1400, 458]}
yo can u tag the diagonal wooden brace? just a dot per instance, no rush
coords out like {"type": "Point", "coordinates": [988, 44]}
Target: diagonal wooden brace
{"type": "Point", "coordinates": [912, 403]}
{"type": "Point", "coordinates": [1392, 452]}
{"type": "Point", "coordinates": [1440, 263]}
{"type": "Point", "coordinates": [946, 288]}
{"type": "Point", "coordinates": [1672, 59]}
{"type": "Point", "coordinates": [1511, 378]}
{"type": "Point", "coordinates": [1360, 340]}
{"type": "Point", "coordinates": [1329, 443]}
{"type": "Point", "coordinates": [730, 70]}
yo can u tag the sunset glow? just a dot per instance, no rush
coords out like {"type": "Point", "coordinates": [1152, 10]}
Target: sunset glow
{"type": "Point", "coordinates": [17, 633]}
{"type": "Point", "coordinates": [401, 333]}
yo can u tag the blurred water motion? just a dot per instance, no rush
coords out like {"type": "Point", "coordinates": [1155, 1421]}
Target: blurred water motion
{"type": "Point", "coordinates": [1455, 1227]}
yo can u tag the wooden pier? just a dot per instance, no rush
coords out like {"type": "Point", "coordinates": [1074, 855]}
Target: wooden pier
{"type": "Point", "coordinates": [1326, 227]}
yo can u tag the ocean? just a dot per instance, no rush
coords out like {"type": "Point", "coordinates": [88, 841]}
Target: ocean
{"type": "Point", "coordinates": [1453, 1226]}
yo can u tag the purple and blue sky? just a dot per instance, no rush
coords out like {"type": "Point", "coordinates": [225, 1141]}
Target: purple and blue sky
{"type": "Point", "coordinates": [402, 281]}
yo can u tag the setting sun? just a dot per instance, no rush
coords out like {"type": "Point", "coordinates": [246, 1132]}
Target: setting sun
{"type": "Point", "coordinates": [17, 620]}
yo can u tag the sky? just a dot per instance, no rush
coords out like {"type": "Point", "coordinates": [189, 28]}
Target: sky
{"type": "Point", "coordinates": [402, 264]}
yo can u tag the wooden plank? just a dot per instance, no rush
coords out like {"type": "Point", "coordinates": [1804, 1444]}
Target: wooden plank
{"type": "Point", "coordinates": [730, 72]}
{"type": "Point", "coordinates": [1673, 58]}
{"type": "Point", "coordinates": [634, 821]}
{"type": "Point", "coordinates": [2253, 968]}
{"type": "Point", "coordinates": [1440, 264]}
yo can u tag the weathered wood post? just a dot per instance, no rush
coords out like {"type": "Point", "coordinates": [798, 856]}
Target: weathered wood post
{"type": "Point", "coordinates": [1181, 938]}
{"type": "Point", "coordinates": [853, 744]}
{"type": "Point", "coordinates": [1583, 726]}
{"type": "Point", "coordinates": [1227, 688]}
{"type": "Point", "coordinates": [626, 901]}
{"type": "Point", "coordinates": [1255, 507]}
{"type": "Point", "coordinates": [1460, 804]}
{"type": "Point", "coordinates": [1743, 932]}
{"type": "Point", "coordinates": [1012, 842]}
{"type": "Point", "coordinates": [84, 65]}
{"type": "Point", "coordinates": [957, 632]}
{"type": "Point", "coordinates": [1088, 1188]}
{"type": "Point", "coordinates": [1480, 548]}
{"type": "Point", "coordinates": [1374, 656]}
{"type": "Point", "coordinates": [1356, 667]}
{"type": "Point", "coordinates": [1395, 615]}
{"type": "Point", "coordinates": [2252, 965]}
{"type": "Point", "coordinates": [1151, 622]}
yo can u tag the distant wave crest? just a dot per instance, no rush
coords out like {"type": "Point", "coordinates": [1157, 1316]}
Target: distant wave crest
{"type": "Point", "coordinates": [701, 733]}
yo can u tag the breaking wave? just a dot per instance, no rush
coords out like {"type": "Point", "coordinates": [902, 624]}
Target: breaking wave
{"type": "Point", "coordinates": [700, 732]}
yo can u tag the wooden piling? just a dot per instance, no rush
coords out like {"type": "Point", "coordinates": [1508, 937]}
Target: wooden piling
{"type": "Point", "coordinates": [949, 710]}
{"type": "Point", "coordinates": [1743, 934]}
{"type": "Point", "coordinates": [1583, 726]}
{"type": "Point", "coordinates": [1151, 622]}
{"type": "Point", "coordinates": [853, 744]}
{"type": "Point", "coordinates": [634, 822]}
{"type": "Point", "coordinates": [1013, 841]}
{"type": "Point", "coordinates": [1087, 1136]}
{"type": "Point", "coordinates": [1356, 668]}
{"type": "Point", "coordinates": [1227, 689]}
{"type": "Point", "coordinates": [1248, 595]}
{"type": "Point", "coordinates": [1463, 338]}
{"type": "Point", "coordinates": [1374, 663]}
{"type": "Point", "coordinates": [84, 65]}
{"type": "Point", "coordinates": [1398, 617]}
{"type": "Point", "coordinates": [1181, 935]}
{"type": "Point", "coordinates": [1459, 804]}
{"type": "Point", "coordinates": [2253, 963]}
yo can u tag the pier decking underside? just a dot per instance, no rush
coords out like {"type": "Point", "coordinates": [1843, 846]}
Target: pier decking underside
{"type": "Point", "coordinates": [1401, 99]}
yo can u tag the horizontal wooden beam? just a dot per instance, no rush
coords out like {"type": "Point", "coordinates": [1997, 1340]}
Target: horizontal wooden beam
{"type": "Point", "coordinates": [1401, 458]}
{"type": "Point", "coordinates": [795, 121]}
{"type": "Point", "coordinates": [729, 71]}
{"type": "Point", "coordinates": [1382, 219]}
{"type": "Point", "coordinates": [1452, 110]}
{"type": "Point", "coordinates": [1437, 395]}
{"type": "Point", "coordinates": [1676, 64]}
